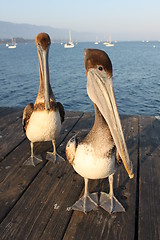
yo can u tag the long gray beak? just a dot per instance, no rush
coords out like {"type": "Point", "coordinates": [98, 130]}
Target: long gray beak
{"type": "Point", "coordinates": [46, 80]}
{"type": "Point", "coordinates": [100, 91]}
{"type": "Point", "coordinates": [43, 61]}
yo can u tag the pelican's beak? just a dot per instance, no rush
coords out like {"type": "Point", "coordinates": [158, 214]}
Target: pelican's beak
{"type": "Point", "coordinates": [100, 91]}
{"type": "Point", "coordinates": [44, 71]}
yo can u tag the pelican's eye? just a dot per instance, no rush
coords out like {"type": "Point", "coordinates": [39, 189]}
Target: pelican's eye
{"type": "Point", "coordinates": [100, 68]}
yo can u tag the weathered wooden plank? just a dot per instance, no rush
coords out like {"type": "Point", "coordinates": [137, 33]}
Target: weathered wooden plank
{"type": "Point", "coordinates": [11, 137]}
{"type": "Point", "coordinates": [2, 109]}
{"type": "Point", "coordinates": [7, 116]}
{"type": "Point", "coordinates": [42, 208]}
{"type": "Point", "coordinates": [149, 187]}
{"type": "Point", "coordinates": [99, 224]}
{"type": "Point", "coordinates": [10, 117]}
{"type": "Point", "coordinates": [6, 110]}
{"type": "Point", "coordinates": [15, 178]}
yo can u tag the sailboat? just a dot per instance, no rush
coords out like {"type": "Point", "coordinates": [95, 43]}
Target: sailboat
{"type": "Point", "coordinates": [13, 44]}
{"type": "Point", "coordinates": [70, 44]}
{"type": "Point", "coordinates": [109, 43]}
{"type": "Point", "coordinates": [96, 42]}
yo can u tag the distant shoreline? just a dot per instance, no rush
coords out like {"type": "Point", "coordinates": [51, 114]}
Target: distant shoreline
{"type": "Point", "coordinates": [23, 40]}
{"type": "Point", "coordinates": [17, 40]}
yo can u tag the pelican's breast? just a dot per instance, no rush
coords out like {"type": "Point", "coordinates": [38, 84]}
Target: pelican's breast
{"type": "Point", "coordinates": [43, 126]}
{"type": "Point", "coordinates": [90, 164]}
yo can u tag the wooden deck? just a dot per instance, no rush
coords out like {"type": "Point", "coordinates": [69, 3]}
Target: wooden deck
{"type": "Point", "coordinates": [33, 200]}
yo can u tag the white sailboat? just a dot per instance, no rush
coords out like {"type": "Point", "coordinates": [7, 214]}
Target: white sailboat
{"type": "Point", "coordinates": [109, 43]}
{"type": "Point", "coordinates": [70, 44]}
{"type": "Point", "coordinates": [96, 42]}
{"type": "Point", "coordinates": [13, 44]}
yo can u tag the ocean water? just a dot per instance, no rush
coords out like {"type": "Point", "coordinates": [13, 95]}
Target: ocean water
{"type": "Point", "coordinates": [136, 76]}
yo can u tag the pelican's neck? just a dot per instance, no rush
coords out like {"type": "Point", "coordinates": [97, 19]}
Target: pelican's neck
{"type": "Point", "coordinates": [100, 129]}
{"type": "Point", "coordinates": [99, 122]}
{"type": "Point", "coordinates": [100, 136]}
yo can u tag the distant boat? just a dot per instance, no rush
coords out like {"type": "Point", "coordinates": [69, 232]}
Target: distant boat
{"type": "Point", "coordinates": [70, 44]}
{"type": "Point", "coordinates": [13, 44]}
{"type": "Point", "coordinates": [96, 42]}
{"type": "Point", "coordinates": [109, 43]}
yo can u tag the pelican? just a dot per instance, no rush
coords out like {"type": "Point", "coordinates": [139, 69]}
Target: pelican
{"type": "Point", "coordinates": [97, 155]}
{"type": "Point", "coordinates": [42, 120]}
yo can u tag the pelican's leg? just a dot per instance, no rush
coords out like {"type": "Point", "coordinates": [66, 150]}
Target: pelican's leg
{"type": "Point", "coordinates": [54, 156]}
{"type": "Point", "coordinates": [109, 202]}
{"type": "Point", "coordinates": [33, 160]}
{"type": "Point", "coordinates": [87, 202]}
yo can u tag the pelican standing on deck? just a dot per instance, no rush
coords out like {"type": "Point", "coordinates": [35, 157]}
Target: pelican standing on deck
{"type": "Point", "coordinates": [42, 120]}
{"type": "Point", "coordinates": [98, 154]}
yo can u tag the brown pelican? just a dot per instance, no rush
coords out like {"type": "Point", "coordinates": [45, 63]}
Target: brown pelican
{"type": "Point", "coordinates": [42, 120]}
{"type": "Point", "coordinates": [98, 154]}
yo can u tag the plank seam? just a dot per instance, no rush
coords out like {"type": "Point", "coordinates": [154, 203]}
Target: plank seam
{"type": "Point", "coordinates": [137, 185]}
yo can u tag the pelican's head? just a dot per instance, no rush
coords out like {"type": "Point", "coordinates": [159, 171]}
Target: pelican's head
{"type": "Point", "coordinates": [100, 90]}
{"type": "Point", "coordinates": [43, 40]}
{"type": "Point", "coordinates": [42, 43]}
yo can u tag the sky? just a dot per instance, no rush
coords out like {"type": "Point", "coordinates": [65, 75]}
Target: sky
{"type": "Point", "coordinates": [123, 19]}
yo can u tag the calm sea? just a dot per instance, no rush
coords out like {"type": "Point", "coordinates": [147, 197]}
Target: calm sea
{"type": "Point", "coordinates": [136, 76]}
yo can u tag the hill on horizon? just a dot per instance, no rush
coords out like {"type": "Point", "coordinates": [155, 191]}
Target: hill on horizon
{"type": "Point", "coordinates": [29, 31]}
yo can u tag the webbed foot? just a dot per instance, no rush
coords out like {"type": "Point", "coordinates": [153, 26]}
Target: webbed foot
{"type": "Point", "coordinates": [33, 160]}
{"type": "Point", "coordinates": [54, 157]}
{"type": "Point", "coordinates": [86, 203]}
{"type": "Point", "coordinates": [110, 203]}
